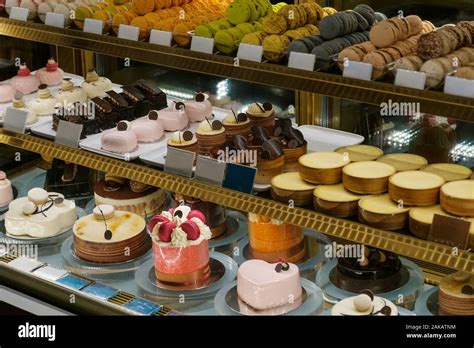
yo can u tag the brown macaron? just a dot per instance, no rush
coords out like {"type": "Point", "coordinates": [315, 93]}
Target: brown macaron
{"type": "Point", "coordinates": [416, 24]}
{"type": "Point", "coordinates": [383, 34]}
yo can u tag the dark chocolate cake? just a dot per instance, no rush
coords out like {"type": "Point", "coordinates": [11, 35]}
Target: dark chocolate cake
{"type": "Point", "coordinates": [90, 126]}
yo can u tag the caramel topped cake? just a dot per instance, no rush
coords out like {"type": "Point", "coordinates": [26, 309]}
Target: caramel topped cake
{"type": "Point", "coordinates": [456, 294]}
{"type": "Point", "coordinates": [359, 153]}
{"type": "Point", "coordinates": [404, 161]}
{"type": "Point", "coordinates": [109, 236]}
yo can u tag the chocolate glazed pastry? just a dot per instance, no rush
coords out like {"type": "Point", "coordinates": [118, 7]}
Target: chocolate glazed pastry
{"type": "Point", "coordinates": [90, 126]}
{"type": "Point", "coordinates": [105, 115]}
{"type": "Point", "coordinates": [155, 95]}
{"type": "Point", "coordinates": [137, 99]}
{"type": "Point", "coordinates": [294, 144]}
{"type": "Point", "coordinates": [379, 271]}
{"type": "Point", "coordinates": [120, 104]}
{"type": "Point", "coordinates": [214, 213]}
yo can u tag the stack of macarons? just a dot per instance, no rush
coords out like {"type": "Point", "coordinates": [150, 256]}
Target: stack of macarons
{"type": "Point", "coordinates": [244, 17]}
{"type": "Point", "coordinates": [344, 23]}
{"type": "Point", "coordinates": [290, 23]}
{"type": "Point", "coordinates": [103, 10]}
{"type": "Point", "coordinates": [466, 72]}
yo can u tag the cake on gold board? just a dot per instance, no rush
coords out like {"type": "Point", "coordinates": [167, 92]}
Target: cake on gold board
{"type": "Point", "coordinates": [180, 248]}
{"type": "Point", "coordinates": [360, 153]}
{"type": "Point", "coordinates": [456, 294]}
{"type": "Point", "coordinates": [404, 161]}
{"type": "Point", "coordinates": [110, 236]}
{"type": "Point", "coordinates": [129, 195]}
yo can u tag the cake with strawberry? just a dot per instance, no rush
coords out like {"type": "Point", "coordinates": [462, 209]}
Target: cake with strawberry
{"type": "Point", "coordinates": [180, 247]}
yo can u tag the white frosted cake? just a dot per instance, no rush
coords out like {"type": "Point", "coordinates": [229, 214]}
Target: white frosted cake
{"type": "Point", "coordinates": [363, 305]}
{"type": "Point", "coordinates": [6, 191]}
{"type": "Point", "coordinates": [40, 214]}
{"type": "Point", "coordinates": [268, 287]}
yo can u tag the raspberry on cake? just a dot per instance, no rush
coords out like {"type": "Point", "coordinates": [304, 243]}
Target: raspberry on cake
{"type": "Point", "coordinates": [180, 247]}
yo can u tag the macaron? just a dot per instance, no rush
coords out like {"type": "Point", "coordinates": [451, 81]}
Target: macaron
{"type": "Point", "coordinates": [225, 42]}
{"type": "Point", "coordinates": [238, 12]}
{"type": "Point", "coordinates": [291, 15]}
{"type": "Point", "coordinates": [275, 24]}
{"type": "Point", "coordinates": [274, 46]}
{"type": "Point", "coordinates": [367, 12]}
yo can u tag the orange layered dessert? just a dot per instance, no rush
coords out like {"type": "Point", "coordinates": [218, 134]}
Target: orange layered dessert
{"type": "Point", "coordinates": [272, 240]}
{"type": "Point", "coordinates": [180, 247]}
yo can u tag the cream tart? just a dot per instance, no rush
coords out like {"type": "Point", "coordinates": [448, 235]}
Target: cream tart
{"type": "Point", "coordinates": [367, 177]}
{"type": "Point", "coordinates": [404, 161]}
{"type": "Point", "coordinates": [335, 200]}
{"type": "Point", "coordinates": [322, 167]}
{"type": "Point", "coordinates": [359, 153]}
{"type": "Point", "coordinates": [457, 197]}
{"type": "Point", "coordinates": [290, 187]}
{"type": "Point", "coordinates": [382, 212]}
{"type": "Point", "coordinates": [415, 188]}
{"type": "Point", "coordinates": [262, 115]}
{"type": "Point", "coordinates": [450, 172]}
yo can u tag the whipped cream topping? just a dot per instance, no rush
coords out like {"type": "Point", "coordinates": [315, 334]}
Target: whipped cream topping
{"type": "Point", "coordinates": [231, 120]}
{"type": "Point", "coordinates": [44, 93]}
{"type": "Point", "coordinates": [67, 85]}
{"type": "Point", "coordinates": [178, 139]}
{"type": "Point", "coordinates": [256, 109]}
{"type": "Point", "coordinates": [92, 76]}
{"type": "Point", "coordinates": [205, 127]}
{"type": "Point", "coordinates": [18, 101]}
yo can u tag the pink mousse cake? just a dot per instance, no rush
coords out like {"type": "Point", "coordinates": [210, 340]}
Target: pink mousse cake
{"type": "Point", "coordinates": [50, 75]}
{"type": "Point", "coordinates": [121, 139]}
{"type": "Point", "coordinates": [198, 109]}
{"type": "Point", "coordinates": [7, 93]}
{"type": "Point", "coordinates": [149, 129]}
{"type": "Point", "coordinates": [24, 82]}
{"type": "Point", "coordinates": [174, 119]}
{"type": "Point", "coordinates": [6, 191]}
{"type": "Point", "coordinates": [266, 286]}
{"type": "Point", "coordinates": [180, 247]}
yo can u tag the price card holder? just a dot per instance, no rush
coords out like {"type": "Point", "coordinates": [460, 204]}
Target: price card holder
{"type": "Point", "coordinates": [252, 53]}
{"type": "Point", "coordinates": [202, 44]}
{"type": "Point", "coordinates": [303, 61]}
{"type": "Point", "coordinates": [128, 32]}
{"type": "Point", "coordinates": [19, 14]}
{"type": "Point", "coordinates": [54, 19]}
{"type": "Point", "coordinates": [179, 162]}
{"type": "Point", "coordinates": [93, 26]}
{"type": "Point", "coordinates": [450, 231]}
{"type": "Point", "coordinates": [15, 120]}
{"type": "Point", "coordinates": [68, 134]}
{"type": "Point", "coordinates": [240, 178]}
{"type": "Point", "coordinates": [411, 79]}
{"type": "Point", "coordinates": [210, 171]}
{"type": "Point", "coordinates": [459, 86]}
{"type": "Point", "coordinates": [358, 70]}
{"type": "Point", "coordinates": [160, 37]}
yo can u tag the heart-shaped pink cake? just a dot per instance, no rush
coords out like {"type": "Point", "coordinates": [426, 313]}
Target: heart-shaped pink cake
{"type": "Point", "coordinates": [264, 285]}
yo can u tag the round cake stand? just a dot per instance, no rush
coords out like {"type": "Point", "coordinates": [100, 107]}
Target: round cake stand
{"type": "Point", "coordinates": [314, 257]}
{"type": "Point", "coordinates": [408, 292]}
{"type": "Point", "coordinates": [4, 208]}
{"type": "Point", "coordinates": [196, 301]}
{"type": "Point", "coordinates": [427, 303]}
{"type": "Point", "coordinates": [236, 230]}
{"type": "Point", "coordinates": [226, 300]}
{"type": "Point", "coordinates": [57, 239]}
{"type": "Point", "coordinates": [103, 271]}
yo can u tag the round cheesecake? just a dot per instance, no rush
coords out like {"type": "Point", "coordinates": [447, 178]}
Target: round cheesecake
{"type": "Point", "coordinates": [416, 188]}
{"type": "Point", "coordinates": [335, 200]}
{"type": "Point", "coordinates": [290, 186]}
{"type": "Point", "coordinates": [110, 236]}
{"type": "Point", "coordinates": [323, 167]}
{"type": "Point", "coordinates": [404, 161]}
{"type": "Point", "coordinates": [128, 195]}
{"type": "Point", "coordinates": [361, 153]}
{"type": "Point", "coordinates": [456, 295]}
{"type": "Point", "coordinates": [421, 219]}
{"type": "Point", "coordinates": [382, 212]}
{"type": "Point", "coordinates": [367, 177]}
{"type": "Point", "coordinates": [457, 197]}
{"type": "Point", "coordinates": [450, 172]}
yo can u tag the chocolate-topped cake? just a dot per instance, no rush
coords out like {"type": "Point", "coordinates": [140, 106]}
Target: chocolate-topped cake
{"type": "Point", "coordinates": [90, 126]}
{"type": "Point", "coordinates": [137, 99]}
{"type": "Point", "coordinates": [152, 93]}
{"type": "Point", "coordinates": [129, 195]}
{"type": "Point", "coordinates": [379, 271]}
{"type": "Point", "coordinates": [105, 115]}
{"type": "Point", "coordinates": [120, 104]}
{"type": "Point", "coordinates": [214, 213]}
{"type": "Point", "coordinates": [293, 142]}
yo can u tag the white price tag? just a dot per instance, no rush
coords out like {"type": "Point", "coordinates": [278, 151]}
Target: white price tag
{"type": "Point", "coordinates": [252, 53]}
{"type": "Point", "coordinates": [68, 134]}
{"type": "Point", "coordinates": [202, 44]}
{"type": "Point", "coordinates": [412, 79]}
{"type": "Point", "coordinates": [303, 61]}
{"type": "Point", "coordinates": [93, 26]}
{"type": "Point", "coordinates": [210, 171]}
{"type": "Point", "coordinates": [54, 19]}
{"type": "Point", "coordinates": [160, 37]}
{"type": "Point", "coordinates": [358, 70]}
{"type": "Point", "coordinates": [459, 86]}
{"type": "Point", "coordinates": [19, 14]}
{"type": "Point", "coordinates": [15, 120]}
{"type": "Point", "coordinates": [128, 32]}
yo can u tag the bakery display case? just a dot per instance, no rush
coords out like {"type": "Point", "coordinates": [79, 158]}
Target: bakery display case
{"type": "Point", "coordinates": [144, 173]}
